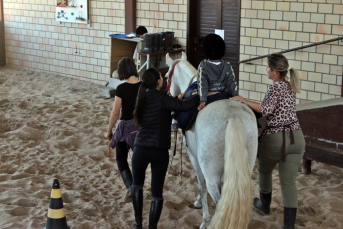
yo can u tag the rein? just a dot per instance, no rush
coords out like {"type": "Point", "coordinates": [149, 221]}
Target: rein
{"type": "Point", "coordinates": [170, 76]}
{"type": "Point", "coordinates": [174, 153]}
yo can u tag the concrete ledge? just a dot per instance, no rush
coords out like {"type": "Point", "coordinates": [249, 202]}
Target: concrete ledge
{"type": "Point", "coordinates": [319, 104]}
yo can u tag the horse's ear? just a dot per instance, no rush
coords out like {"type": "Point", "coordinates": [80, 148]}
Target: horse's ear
{"type": "Point", "coordinates": [169, 61]}
{"type": "Point", "coordinates": [184, 56]}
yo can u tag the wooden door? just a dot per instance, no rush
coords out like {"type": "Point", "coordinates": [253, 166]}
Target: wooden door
{"type": "Point", "coordinates": [204, 16]}
{"type": "Point", "coordinates": [2, 35]}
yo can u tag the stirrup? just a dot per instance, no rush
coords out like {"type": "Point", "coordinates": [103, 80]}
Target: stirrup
{"type": "Point", "coordinates": [174, 128]}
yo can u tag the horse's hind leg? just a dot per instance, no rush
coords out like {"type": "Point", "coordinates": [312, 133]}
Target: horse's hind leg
{"type": "Point", "coordinates": [213, 187]}
{"type": "Point", "coordinates": [202, 192]}
{"type": "Point", "coordinates": [212, 168]}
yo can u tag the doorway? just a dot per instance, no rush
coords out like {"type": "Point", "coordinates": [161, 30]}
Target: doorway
{"type": "Point", "coordinates": [204, 16]}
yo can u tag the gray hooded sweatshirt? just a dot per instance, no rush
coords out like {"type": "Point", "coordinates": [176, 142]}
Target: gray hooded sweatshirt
{"type": "Point", "coordinates": [215, 77]}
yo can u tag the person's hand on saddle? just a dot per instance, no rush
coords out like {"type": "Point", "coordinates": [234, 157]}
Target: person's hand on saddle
{"type": "Point", "coordinates": [201, 106]}
{"type": "Point", "coordinates": [239, 99]}
{"type": "Point", "coordinates": [181, 95]}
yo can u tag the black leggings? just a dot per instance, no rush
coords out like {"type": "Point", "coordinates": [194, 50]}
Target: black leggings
{"type": "Point", "coordinates": [159, 159]}
{"type": "Point", "coordinates": [122, 150]}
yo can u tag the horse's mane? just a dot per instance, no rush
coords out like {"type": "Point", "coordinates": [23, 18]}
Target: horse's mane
{"type": "Point", "coordinates": [187, 68]}
{"type": "Point", "coordinates": [182, 72]}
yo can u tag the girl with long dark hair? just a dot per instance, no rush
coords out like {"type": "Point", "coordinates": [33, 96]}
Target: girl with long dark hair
{"type": "Point", "coordinates": [152, 114]}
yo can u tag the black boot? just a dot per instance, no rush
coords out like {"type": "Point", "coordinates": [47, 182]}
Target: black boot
{"type": "Point", "coordinates": [263, 204]}
{"type": "Point", "coordinates": [149, 41]}
{"type": "Point", "coordinates": [164, 43]}
{"type": "Point", "coordinates": [155, 213]}
{"type": "Point", "coordinates": [289, 215]}
{"type": "Point", "coordinates": [157, 42]}
{"type": "Point", "coordinates": [127, 178]}
{"type": "Point", "coordinates": [169, 37]}
{"type": "Point", "coordinates": [137, 202]}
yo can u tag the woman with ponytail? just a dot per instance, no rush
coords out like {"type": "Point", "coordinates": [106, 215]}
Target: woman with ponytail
{"type": "Point", "coordinates": [282, 142]}
{"type": "Point", "coordinates": [152, 114]}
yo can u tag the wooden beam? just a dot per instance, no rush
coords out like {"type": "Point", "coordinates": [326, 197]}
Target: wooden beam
{"type": "Point", "coordinates": [326, 156]}
{"type": "Point", "coordinates": [219, 14]}
{"type": "Point", "coordinates": [192, 31]}
{"type": "Point", "coordinates": [2, 35]}
{"type": "Point", "coordinates": [238, 42]}
{"type": "Point", "coordinates": [130, 16]}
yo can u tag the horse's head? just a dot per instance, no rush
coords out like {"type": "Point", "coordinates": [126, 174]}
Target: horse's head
{"type": "Point", "coordinates": [179, 74]}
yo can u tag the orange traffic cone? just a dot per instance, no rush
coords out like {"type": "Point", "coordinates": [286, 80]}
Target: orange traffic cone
{"type": "Point", "coordinates": [56, 216]}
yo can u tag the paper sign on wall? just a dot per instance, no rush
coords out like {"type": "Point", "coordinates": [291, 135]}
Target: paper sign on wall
{"type": "Point", "coordinates": [75, 11]}
{"type": "Point", "coordinates": [219, 32]}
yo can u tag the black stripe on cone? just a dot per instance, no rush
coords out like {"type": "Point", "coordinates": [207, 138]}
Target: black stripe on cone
{"type": "Point", "coordinates": [56, 216]}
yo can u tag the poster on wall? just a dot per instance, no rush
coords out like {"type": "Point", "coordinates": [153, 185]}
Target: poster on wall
{"type": "Point", "coordinates": [75, 11]}
{"type": "Point", "coordinates": [220, 32]}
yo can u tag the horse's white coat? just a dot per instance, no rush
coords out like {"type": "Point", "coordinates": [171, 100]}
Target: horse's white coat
{"type": "Point", "coordinates": [206, 142]}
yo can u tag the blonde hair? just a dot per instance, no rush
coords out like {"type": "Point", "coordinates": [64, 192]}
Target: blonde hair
{"type": "Point", "coordinates": [280, 63]}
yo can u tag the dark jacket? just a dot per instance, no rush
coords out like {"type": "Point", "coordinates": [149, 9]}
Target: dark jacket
{"type": "Point", "coordinates": [154, 131]}
{"type": "Point", "coordinates": [213, 77]}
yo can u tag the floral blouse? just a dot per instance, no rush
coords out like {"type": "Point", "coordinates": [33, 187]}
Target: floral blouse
{"type": "Point", "coordinates": [279, 108]}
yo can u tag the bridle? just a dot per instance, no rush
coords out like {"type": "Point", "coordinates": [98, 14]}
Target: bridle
{"type": "Point", "coordinates": [170, 76]}
{"type": "Point", "coordinates": [169, 79]}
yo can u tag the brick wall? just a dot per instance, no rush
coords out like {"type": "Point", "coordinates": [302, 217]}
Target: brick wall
{"type": "Point", "coordinates": [35, 41]}
{"type": "Point", "coordinates": [272, 26]}
{"type": "Point", "coordinates": [167, 15]}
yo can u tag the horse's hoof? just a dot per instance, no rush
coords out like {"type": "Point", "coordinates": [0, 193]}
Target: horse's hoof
{"type": "Point", "coordinates": [197, 205]}
{"type": "Point", "coordinates": [204, 225]}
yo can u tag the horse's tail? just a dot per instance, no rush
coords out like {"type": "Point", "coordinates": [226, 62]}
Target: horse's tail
{"type": "Point", "coordinates": [235, 203]}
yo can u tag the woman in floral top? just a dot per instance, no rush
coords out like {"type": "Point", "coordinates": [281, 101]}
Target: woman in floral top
{"type": "Point", "coordinates": [282, 142]}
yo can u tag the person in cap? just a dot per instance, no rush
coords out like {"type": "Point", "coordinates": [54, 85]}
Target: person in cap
{"type": "Point", "coordinates": [215, 81]}
{"type": "Point", "coordinates": [140, 31]}
{"type": "Point", "coordinates": [215, 75]}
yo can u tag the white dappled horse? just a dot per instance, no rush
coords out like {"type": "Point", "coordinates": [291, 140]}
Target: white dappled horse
{"type": "Point", "coordinates": [221, 144]}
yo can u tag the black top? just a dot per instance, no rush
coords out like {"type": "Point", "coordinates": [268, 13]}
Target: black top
{"type": "Point", "coordinates": [128, 94]}
{"type": "Point", "coordinates": [154, 131]}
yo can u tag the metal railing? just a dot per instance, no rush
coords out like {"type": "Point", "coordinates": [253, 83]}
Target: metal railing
{"type": "Point", "coordinates": [247, 61]}
{"type": "Point", "coordinates": [293, 49]}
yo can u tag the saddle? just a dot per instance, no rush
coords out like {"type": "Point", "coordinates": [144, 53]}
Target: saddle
{"type": "Point", "coordinates": [187, 119]}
